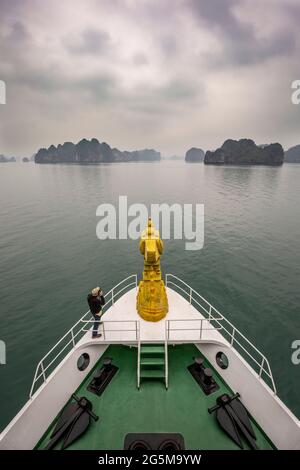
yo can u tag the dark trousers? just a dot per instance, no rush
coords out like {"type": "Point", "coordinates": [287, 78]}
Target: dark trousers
{"type": "Point", "coordinates": [96, 324]}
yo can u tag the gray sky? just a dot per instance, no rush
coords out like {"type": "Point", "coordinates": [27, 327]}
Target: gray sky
{"type": "Point", "coordinates": [168, 74]}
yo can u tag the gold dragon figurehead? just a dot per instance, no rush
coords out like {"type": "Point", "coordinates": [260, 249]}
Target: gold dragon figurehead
{"type": "Point", "coordinates": [152, 303]}
{"type": "Point", "coordinates": [151, 245]}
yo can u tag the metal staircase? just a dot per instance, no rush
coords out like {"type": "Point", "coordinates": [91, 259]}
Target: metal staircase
{"type": "Point", "coordinates": [152, 362]}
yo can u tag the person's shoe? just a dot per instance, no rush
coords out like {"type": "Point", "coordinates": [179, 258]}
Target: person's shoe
{"type": "Point", "coordinates": [97, 336]}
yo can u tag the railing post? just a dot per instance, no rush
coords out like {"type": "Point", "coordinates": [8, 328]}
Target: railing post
{"type": "Point", "coordinates": [232, 337]}
{"type": "Point", "coordinates": [139, 358]}
{"type": "Point", "coordinates": [166, 357]}
{"type": "Point", "coordinates": [34, 381]}
{"type": "Point", "coordinates": [73, 339]}
{"type": "Point", "coordinates": [190, 295]}
{"type": "Point", "coordinates": [43, 372]}
{"type": "Point", "coordinates": [103, 330]}
{"type": "Point", "coordinates": [272, 379]}
{"type": "Point", "coordinates": [261, 367]}
{"type": "Point", "coordinates": [201, 326]}
{"type": "Point", "coordinates": [112, 296]}
{"type": "Point", "coordinates": [209, 314]}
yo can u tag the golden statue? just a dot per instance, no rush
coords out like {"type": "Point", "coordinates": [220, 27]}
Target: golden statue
{"type": "Point", "coordinates": [152, 302]}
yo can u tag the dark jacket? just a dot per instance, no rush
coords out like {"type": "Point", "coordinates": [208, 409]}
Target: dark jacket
{"type": "Point", "coordinates": [95, 303]}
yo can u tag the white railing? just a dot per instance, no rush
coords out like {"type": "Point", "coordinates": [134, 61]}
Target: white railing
{"type": "Point", "coordinates": [132, 326]}
{"type": "Point", "coordinates": [190, 324]}
{"type": "Point", "coordinates": [139, 358]}
{"type": "Point", "coordinates": [166, 354]}
{"type": "Point", "coordinates": [213, 317]}
{"type": "Point", "coordinates": [71, 338]}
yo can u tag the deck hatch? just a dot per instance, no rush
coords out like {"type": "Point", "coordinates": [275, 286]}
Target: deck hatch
{"type": "Point", "coordinates": [154, 441]}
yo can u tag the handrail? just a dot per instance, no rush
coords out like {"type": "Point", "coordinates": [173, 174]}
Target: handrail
{"type": "Point", "coordinates": [105, 322]}
{"type": "Point", "coordinates": [110, 298]}
{"type": "Point", "coordinates": [186, 320]}
{"type": "Point", "coordinates": [209, 310]}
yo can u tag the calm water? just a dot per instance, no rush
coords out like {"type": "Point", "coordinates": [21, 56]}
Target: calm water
{"type": "Point", "coordinates": [249, 267]}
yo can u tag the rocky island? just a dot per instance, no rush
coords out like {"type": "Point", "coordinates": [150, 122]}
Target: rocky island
{"type": "Point", "coordinates": [292, 155]}
{"type": "Point", "coordinates": [4, 159]}
{"type": "Point", "coordinates": [245, 152]}
{"type": "Point", "coordinates": [194, 155]}
{"type": "Point", "coordinates": [91, 152]}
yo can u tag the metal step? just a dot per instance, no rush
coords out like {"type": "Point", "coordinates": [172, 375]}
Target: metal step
{"type": "Point", "coordinates": [152, 350]}
{"type": "Point", "coordinates": [152, 361]}
{"type": "Point", "coordinates": [152, 374]}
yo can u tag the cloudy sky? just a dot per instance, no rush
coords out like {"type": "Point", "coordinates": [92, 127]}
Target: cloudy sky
{"type": "Point", "coordinates": [168, 74]}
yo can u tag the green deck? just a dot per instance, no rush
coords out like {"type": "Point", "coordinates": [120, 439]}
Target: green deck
{"type": "Point", "coordinates": [122, 408]}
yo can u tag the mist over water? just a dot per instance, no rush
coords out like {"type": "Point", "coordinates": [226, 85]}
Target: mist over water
{"type": "Point", "coordinates": [50, 256]}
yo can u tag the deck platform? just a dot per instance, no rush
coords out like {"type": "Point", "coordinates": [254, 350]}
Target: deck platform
{"type": "Point", "coordinates": [122, 408]}
{"type": "Point", "coordinates": [185, 323]}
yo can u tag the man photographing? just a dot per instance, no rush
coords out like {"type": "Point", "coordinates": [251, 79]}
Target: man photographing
{"type": "Point", "coordinates": [96, 301]}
